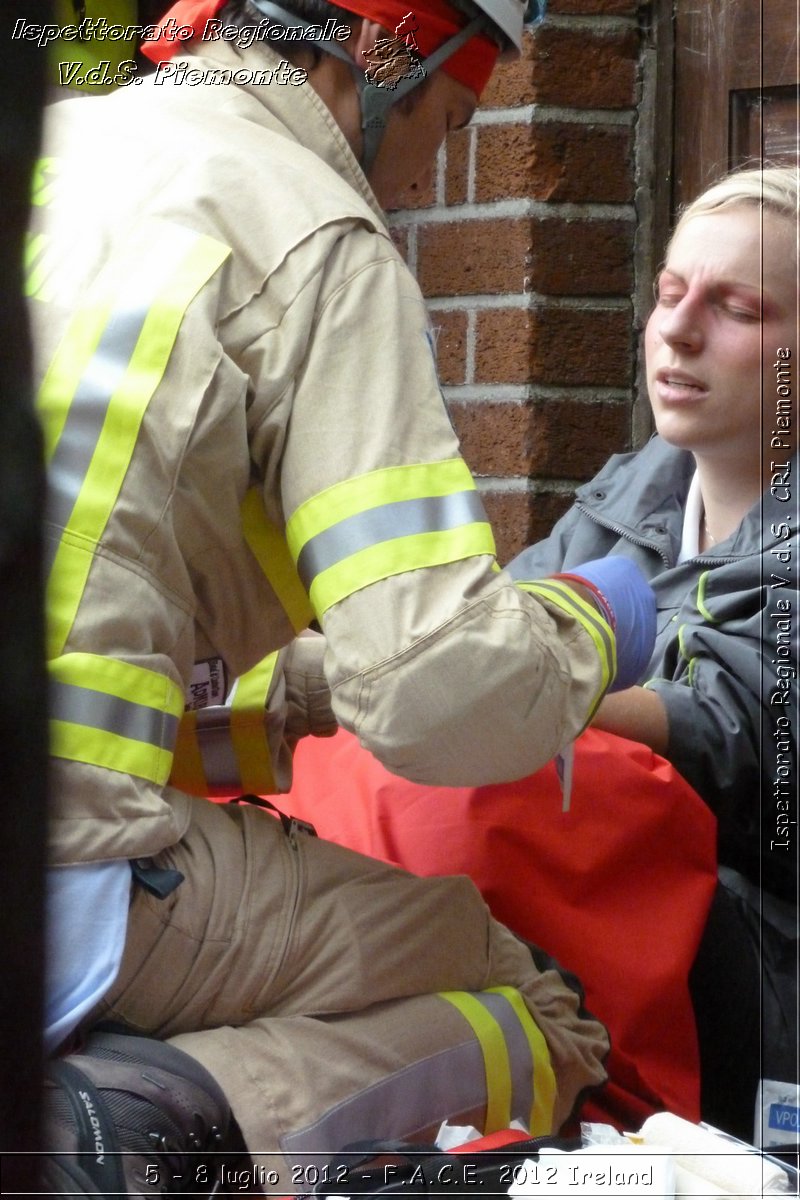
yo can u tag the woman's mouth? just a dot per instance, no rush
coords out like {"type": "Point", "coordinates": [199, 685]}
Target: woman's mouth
{"type": "Point", "coordinates": [678, 387]}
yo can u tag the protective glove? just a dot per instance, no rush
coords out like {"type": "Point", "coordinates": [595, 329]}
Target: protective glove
{"type": "Point", "coordinates": [284, 698]}
{"type": "Point", "coordinates": [629, 605]}
{"type": "Point", "coordinates": [307, 696]}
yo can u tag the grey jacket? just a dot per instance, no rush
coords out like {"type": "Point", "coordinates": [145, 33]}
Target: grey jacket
{"type": "Point", "coordinates": [726, 650]}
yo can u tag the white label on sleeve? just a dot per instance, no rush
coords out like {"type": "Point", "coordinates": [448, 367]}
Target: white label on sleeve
{"type": "Point", "coordinates": [208, 685]}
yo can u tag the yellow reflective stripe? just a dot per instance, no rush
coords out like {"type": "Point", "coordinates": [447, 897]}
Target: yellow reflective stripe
{"type": "Point", "coordinates": [125, 411]}
{"type": "Point", "coordinates": [544, 1080]}
{"type": "Point", "coordinates": [701, 598]}
{"type": "Point", "coordinates": [101, 748]}
{"type": "Point", "coordinates": [383, 486]}
{"type": "Point", "coordinates": [43, 181]}
{"type": "Point", "coordinates": [35, 272]}
{"type": "Point", "coordinates": [270, 549]}
{"type": "Point", "coordinates": [187, 772]}
{"type": "Point", "coordinates": [491, 1039]}
{"type": "Point", "coordinates": [64, 372]}
{"type": "Point", "coordinates": [396, 556]}
{"type": "Point", "coordinates": [249, 728]}
{"type": "Point", "coordinates": [598, 629]}
{"type": "Point", "coordinates": [126, 680]}
{"type": "Point", "coordinates": [96, 699]}
{"type": "Point", "coordinates": [41, 261]}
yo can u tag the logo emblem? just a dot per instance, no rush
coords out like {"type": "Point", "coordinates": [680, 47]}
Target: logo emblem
{"type": "Point", "coordinates": [395, 58]}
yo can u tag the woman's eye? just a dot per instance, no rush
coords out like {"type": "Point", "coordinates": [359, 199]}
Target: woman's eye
{"type": "Point", "coordinates": [666, 291]}
{"type": "Point", "coordinates": [745, 315]}
{"type": "Point", "coordinates": [742, 314]}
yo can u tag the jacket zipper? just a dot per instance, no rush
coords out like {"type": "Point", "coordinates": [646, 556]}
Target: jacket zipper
{"type": "Point", "coordinates": [624, 532]}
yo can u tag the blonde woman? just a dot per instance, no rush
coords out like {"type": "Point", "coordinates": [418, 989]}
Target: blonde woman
{"type": "Point", "coordinates": [708, 509]}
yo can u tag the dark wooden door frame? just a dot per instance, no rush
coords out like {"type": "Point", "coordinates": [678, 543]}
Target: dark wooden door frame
{"type": "Point", "coordinates": [725, 51]}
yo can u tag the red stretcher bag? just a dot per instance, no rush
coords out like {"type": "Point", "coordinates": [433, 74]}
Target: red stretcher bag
{"type": "Point", "coordinates": [617, 888]}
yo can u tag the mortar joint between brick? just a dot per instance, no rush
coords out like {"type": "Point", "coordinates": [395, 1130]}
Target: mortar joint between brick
{"type": "Point", "coordinates": [600, 22]}
{"type": "Point", "coordinates": [412, 250]}
{"type": "Point", "coordinates": [549, 114]}
{"type": "Point", "coordinates": [526, 484]}
{"type": "Point", "coordinates": [513, 209]}
{"type": "Point", "coordinates": [495, 483]}
{"type": "Point", "coordinates": [441, 171]}
{"type": "Point", "coordinates": [469, 363]}
{"type": "Point", "coordinates": [529, 302]}
{"type": "Point", "coordinates": [528, 393]}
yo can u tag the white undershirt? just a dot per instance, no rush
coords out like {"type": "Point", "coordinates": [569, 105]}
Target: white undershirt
{"type": "Point", "coordinates": [692, 515]}
{"type": "Point", "coordinates": [86, 922]}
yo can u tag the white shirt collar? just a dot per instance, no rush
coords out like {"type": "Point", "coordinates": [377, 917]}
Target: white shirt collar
{"type": "Point", "coordinates": [692, 515]}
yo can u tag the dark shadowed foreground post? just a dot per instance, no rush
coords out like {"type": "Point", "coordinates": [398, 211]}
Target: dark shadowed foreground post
{"type": "Point", "coordinates": [22, 694]}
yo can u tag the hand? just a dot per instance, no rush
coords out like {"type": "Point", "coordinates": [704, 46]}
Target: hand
{"type": "Point", "coordinates": [307, 695]}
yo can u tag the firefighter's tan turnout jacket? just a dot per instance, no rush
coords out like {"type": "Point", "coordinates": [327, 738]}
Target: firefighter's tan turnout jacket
{"type": "Point", "coordinates": [233, 359]}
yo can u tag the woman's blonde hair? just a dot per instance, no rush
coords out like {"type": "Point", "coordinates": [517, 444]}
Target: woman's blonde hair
{"type": "Point", "coordinates": [774, 189]}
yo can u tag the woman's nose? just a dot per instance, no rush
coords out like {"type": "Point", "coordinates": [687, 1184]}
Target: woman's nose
{"type": "Point", "coordinates": [682, 325]}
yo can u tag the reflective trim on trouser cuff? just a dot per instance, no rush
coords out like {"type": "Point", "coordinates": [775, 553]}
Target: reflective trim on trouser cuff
{"type": "Point", "coordinates": [505, 1051]}
{"type": "Point", "coordinates": [268, 545]}
{"type": "Point", "coordinates": [418, 1096]}
{"type": "Point", "coordinates": [544, 1080]}
{"type": "Point", "coordinates": [491, 1038]}
{"type": "Point", "coordinates": [384, 523]}
{"type": "Point", "coordinates": [94, 720]}
{"type": "Point", "coordinates": [567, 599]}
{"type": "Point", "coordinates": [520, 1084]}
{"type": "Point", "coordinates": [96, 391]}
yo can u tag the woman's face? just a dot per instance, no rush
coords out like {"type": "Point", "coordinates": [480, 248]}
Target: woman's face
{"type": "Point", "coordinates": [726, 303]}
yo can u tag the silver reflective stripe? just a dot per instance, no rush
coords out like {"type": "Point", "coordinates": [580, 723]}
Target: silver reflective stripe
{"type": "Point", "coordinates": [519, 1054]}
{"type": "Point", "coordinates": [87, 412]}
{"type": "Point", "coordinates": [140, 285]}
{"type": "Point", "coordinates": [400, 518]}
{"type": "Point", "coordinates": [417, 1096]}
{"type": "Point", "coordinates": [220, 765]}
{"type": "Point", "coordinates": [98, 710]}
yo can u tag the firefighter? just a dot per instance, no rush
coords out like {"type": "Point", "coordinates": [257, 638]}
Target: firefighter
{"type": "Point", "coordinates": [244, 433]}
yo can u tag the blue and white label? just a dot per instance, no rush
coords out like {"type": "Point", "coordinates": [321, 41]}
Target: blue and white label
{"type": "Point", "coordinates": [784, 1116]}
{"type": "Point", "coordinates": [777, 1114]}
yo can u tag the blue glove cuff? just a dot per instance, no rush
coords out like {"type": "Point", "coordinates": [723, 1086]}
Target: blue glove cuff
{"type": "Point", "coordinates": [632, 606]}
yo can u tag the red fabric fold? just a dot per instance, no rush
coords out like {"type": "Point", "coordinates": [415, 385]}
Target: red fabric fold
{"type": "Point", "coordinates": [617, 889]}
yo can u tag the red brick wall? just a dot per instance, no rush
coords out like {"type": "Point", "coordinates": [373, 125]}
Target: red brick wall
{"type": "Point", "coordinates": [524, 247]}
